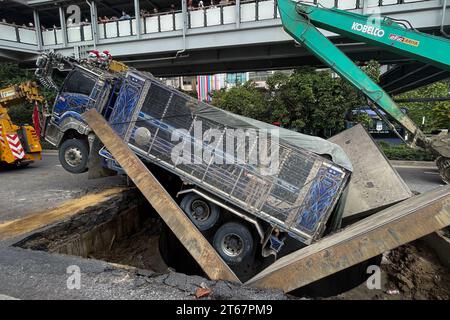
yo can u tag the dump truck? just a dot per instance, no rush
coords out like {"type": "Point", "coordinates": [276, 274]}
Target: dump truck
{"type": "Point", "coordinates": [19, 145]}
{"type": "Point", "coordinates": [244, 201]}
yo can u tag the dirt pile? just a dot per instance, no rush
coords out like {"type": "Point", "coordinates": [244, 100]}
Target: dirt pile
{"type": "Point", "coordinates": [414, 269]}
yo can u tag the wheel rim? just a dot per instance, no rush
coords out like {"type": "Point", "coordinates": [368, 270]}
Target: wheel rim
{"type": "Point", "coordinates": [232, 245]}
{"type": "Point", "coordinates": [200, 210]}
{"type": "Point", "coordinates": [73, 156]}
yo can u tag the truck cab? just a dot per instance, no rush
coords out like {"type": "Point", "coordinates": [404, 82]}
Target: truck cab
{"type": "Point", "coordinates": [64, 127]}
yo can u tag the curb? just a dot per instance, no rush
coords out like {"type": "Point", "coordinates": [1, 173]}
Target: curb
{"type": "Point", "coordinates": [404, 163]}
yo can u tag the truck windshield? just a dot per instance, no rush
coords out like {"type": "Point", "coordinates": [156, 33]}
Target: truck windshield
{"type": "Point", "coordinates": [78, 82]}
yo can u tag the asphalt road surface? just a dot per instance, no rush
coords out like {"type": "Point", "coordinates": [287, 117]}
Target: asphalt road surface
{"type": "Point", "coordinates": [420, 179]}
{"type": "Point", "coordinates": [45, 184]}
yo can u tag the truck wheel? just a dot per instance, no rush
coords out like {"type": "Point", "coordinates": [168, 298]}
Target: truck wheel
{"type": "Point", "coordinates": [73, 155]}
{"type": "Point", "coordinates": [202, 213]}
{"type": "Point", "coordinates": [234, 242]}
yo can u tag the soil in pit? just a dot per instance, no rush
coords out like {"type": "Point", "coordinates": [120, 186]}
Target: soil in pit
{"type": "Point", "coordinates": [415, 270]}
{"type": "Point", "coordinates": [410, 272]}
{"type": "Point", "coordinates": [138, 250]}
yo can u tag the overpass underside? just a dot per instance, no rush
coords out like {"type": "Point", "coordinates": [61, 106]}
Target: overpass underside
{"type": "Point", "coordinates": [226, 38]}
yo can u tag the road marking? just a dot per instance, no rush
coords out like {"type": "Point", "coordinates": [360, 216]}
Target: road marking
{"type": "Point", "coordinates": [414, 167]}
{"type": "Point", "coordinates": [428, 172]}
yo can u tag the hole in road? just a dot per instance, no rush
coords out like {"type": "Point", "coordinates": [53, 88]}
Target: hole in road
{"type": "Point", "coordinates": [127, 232]}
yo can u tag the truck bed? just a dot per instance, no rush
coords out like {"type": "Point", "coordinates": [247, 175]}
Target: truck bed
{"type": "Point", "coordinates": [298, 197]}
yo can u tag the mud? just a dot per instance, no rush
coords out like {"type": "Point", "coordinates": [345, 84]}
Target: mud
{"type": "Point", "coordinates": [410, 272]}
{"type": "Point", "coordinates": [140, 250]}
{"type": "Point", "coordinates": [416, 272]}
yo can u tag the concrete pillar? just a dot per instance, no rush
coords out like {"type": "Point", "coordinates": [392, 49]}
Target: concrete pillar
{"type": "Point", "coordinates": [94, 22]}
{"type": "Point", "coordinates": [37, 25]}
{"type": "Point", "coordinates": [238, 14]}
{"type": "Point", "coordinates": [62, 21]}
{"type": "Point", "coordinates": [184, 13]}
{"type": "Point", "coordinates": [137, 15]}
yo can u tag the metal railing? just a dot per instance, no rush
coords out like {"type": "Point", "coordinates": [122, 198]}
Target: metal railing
{"type": "Point", "coordinates": [217, 15]}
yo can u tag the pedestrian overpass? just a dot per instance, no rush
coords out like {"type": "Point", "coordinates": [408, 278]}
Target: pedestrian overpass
{"type": "Point", "coordinates": [223, 38]}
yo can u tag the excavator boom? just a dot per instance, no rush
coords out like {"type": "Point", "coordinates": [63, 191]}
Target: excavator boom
{"type": "Point", "coordinates": [397, 36]}
{"type": "Point", "coordinates": [298, 24]}
{"type": "Point", "coordinates": [301, 21]}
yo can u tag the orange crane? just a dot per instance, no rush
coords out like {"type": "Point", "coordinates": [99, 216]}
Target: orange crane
{"type": "Point", "coordinates": [19, 145]}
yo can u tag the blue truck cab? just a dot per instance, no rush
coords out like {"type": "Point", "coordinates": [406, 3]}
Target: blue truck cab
{"type": "Point", "coordinates": [65, 129]}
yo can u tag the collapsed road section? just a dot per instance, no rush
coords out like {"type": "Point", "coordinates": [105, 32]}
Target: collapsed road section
{"type": "Point", "coordinates": [238, 220]}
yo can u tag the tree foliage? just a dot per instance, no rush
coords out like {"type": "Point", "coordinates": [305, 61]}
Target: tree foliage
{"type": "Point", "coordinates": [21, 111]}
{"type": "Point", "coordinates": [246, 100]}
{"type": "Point", "coordinates": [437, 114]}
{"type": "Point", "coordinates": [310, 101]}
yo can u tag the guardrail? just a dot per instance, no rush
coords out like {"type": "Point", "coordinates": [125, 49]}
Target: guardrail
{"type": "Point", "coordinates": [15, 33]}
{"type": "Point", "coordinates": [172, 21]}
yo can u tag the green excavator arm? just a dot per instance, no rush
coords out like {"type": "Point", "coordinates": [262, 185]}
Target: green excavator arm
{"type": "Point", "coordinates": [301, 21]}
{"type": "Point", "coordinates": [397, 36]}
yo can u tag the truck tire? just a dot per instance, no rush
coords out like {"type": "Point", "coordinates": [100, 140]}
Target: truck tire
{"type": "Point", "coordinates": [202, 213]}
{"type": "Point", "coordinates": [234, 242]}
{"type": "Point", "coordinates": [73, 155]}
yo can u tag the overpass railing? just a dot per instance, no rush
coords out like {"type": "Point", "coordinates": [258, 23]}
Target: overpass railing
{"type": "Point", "coordinates": [172, 21]}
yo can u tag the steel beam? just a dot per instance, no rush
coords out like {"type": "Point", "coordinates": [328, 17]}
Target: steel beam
{"type": "Point", "coordinates": [238, 14]}
{"type": "Point", "coordinates": [94, 22]}
{"type": "Point", "coordinates": [137, 19]}
{"type": "Point", "coordinates": [37, 25]}
{"type": "Point", "coordinates": [386, 230]}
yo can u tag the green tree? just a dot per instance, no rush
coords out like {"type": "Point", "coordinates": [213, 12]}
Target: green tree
{"type": "Point", "coordinates": [437, 114]}
{"type": "Point", "coordinates": [10, 73]}
{"type": "Point", "coordinates": [311, 101]}
{"type": "Point", "coordinates": [21, 111]}
{"type": "Point", "coordinates": [246, 100]}
{"type": "Point", "coordinates": [314, 102]}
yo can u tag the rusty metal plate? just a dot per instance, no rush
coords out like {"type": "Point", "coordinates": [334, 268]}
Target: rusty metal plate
{"type": "Point", "coordinates": [383, 231]}
{"type": "Point", "coordinates": [374, 184]}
